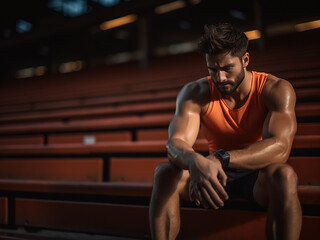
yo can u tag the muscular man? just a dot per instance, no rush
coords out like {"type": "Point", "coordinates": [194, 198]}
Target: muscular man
{"type": "Point", "coordinates": [249, 120]}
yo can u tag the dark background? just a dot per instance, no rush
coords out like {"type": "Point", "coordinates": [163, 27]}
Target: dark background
{"type": "Point", "coordinates": [56, 38]}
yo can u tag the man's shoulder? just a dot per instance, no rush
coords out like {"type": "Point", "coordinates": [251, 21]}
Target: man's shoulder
{"type": "Point", "coordinates": [274, 83]}
{"type": "Point", "coordinates": [196, 87]}
{"type": "Point", "coordinates": [277, 90]}
{"type": "Point", "coordinates": [197, 91]}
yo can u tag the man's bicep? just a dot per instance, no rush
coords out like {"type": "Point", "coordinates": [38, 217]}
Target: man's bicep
{"type": "Point", "coordinates": [281, 125]}
{"type": "Point", "coordinates": [186, 121]}
{"type": "Point", "coordinates": [281, 120]}
{"type": "Point", "coordinates": [185, 126]}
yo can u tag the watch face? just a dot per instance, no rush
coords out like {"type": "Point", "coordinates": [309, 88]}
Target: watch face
{"type": "Point", "coordinates": [223, 154]}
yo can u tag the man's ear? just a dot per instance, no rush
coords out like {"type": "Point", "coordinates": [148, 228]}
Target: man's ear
{"type": "Point", "coordinates": [245, 59]}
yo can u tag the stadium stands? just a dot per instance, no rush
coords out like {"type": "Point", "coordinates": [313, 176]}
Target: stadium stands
{"type": "Point", "coordinates": [83, 160]}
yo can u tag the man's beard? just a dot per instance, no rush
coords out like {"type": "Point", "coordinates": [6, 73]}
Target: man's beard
{"type": "Point", "coordinates": [234, 85]}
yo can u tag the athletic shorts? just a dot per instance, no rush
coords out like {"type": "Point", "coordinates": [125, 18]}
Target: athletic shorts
{"type": "Point", "coordinates": [240, 183]}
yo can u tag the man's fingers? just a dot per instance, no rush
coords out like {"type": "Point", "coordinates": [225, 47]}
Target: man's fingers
{"type": "Point", "coordinates": [191, 192]}
{"type": "Point", "coordinates": [194, 193]}
{"type": "Point", "coordinates": [219, 188]}
{"type": "Point", "coordinates": [206, 199]}
{"type": "Point", "coordinates": [214, 194]}
{"type": "Point", "coordinates": [222, 177]}
{"type": "Point", "coordinates": [197, 194]}
{"type": "Point", "coordinates": [211, 196]}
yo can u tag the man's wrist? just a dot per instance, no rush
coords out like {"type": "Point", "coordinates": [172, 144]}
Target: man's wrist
{"type": "Point", "coordinates": [223, 156]}
{"type": "Point", "coordinates": [190, 156]}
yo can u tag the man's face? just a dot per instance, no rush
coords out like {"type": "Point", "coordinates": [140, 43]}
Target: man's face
{"type": "Point", "coordinates": [226, 71]}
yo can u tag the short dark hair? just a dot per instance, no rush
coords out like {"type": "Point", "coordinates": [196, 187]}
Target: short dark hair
{"type": "Point", "coordinates": [223, 38]}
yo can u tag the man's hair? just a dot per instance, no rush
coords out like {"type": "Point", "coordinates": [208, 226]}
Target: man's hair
{"type": "Point", "coordinates": [223, 38]}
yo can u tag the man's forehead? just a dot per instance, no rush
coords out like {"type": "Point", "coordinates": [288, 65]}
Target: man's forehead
{"type": "Point", "coordinates": [220, 59]}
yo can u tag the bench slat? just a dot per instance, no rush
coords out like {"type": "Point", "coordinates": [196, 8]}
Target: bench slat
{"type": "Point", "coordinates": [305, 83]}
{"type": "Point", "coordinates": [243, 224]}
{"type": "Point", "coordinates": [132, 220]}
{"type": "Point", "coordinates": [63, 169]}
{"type": "Point", "coordinates": [308, 129]}
{"type": "Point", "coordinates": [18, 140]}
{"type": "Point", "coordinates": [162, 134]}
{"type": "Point", "coordinates": [98, 218]}
{"type": "Point", "coordinates": [142, 135]}
{"type": "Point", "coordinates": [156, 146]}
{"type": "Point", "coordinates": [91, 124]}
{"type": "Point", "coordinates": [142, 169]}
{"type": "Point", "coordinates": [307, 194]}
{"type": "Point", "coordinates": [89, 138]}
{"type": "Point", "coordinates": [308, 110]}
{"type": "Point", "coordinates": [83, 188]}
{"type": "Point", "coordinates": [133, 169]}
{"type": "Point", "coordinates": [307, 169]}
{"type": "Point", "coordinates": [306, 141]}
{"type": "Point", "coordinates": [90, 112]}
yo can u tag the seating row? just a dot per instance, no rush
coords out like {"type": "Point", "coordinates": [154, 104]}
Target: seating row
{"type": "Point", "coordinates": [117, 169]}
{"type": "Point", "coordinates": [139, 134]}
{"type": "Point", "coordinates": [156, 102]}
{"type": "Point", "coordinates": [306, 89]}
{"type": "Point", "coordinates": [57, 205]}
{"type": "Point", "coordinates": [303, 110]}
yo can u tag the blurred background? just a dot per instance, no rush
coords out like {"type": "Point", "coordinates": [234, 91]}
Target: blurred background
{"type": "Point", "coordinates": [88, 89]}
{"type": "Point", "coordinates": [43, 37]}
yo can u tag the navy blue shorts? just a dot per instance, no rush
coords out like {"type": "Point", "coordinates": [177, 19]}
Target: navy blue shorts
{"type": "Point", "coordinates": [240, 183]}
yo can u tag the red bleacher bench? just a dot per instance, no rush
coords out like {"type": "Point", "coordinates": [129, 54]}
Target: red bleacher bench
{"type": "Point", "coordinates": [154, 146]}
{"type": "Point", "coordinates": [63, 169]}
{"type": "Point", "coordinates": [80, 213]}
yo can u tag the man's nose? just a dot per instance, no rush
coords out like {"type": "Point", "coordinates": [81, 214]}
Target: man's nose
{"type": "Point", "coordinates": [221, 76]}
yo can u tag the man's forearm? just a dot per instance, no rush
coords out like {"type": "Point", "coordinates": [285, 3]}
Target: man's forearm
{"type": "Point", "coordinates": [260, 154]}
{"type": "Point", "coordinates": [180, 153]}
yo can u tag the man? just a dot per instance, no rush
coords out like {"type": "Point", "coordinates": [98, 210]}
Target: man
{"type": "Point", "coordinates": [249, 121]}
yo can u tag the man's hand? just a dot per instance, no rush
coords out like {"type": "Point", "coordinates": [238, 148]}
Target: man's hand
{"type": "Point", "coordinates": [207, 182]}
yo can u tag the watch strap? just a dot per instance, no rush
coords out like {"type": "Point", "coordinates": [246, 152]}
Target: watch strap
{"type": "Point", "coordinates": [223, 156]}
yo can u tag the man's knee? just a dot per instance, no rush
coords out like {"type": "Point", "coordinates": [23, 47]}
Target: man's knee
{"type": "Point", "coordinates": [166, 170]}
{"type": "Point", "coordinates": [281, 177]}
{"type": "Point", "coordinates": [166, 173]}
{"type": "Point", "coordinates": [169, 179]}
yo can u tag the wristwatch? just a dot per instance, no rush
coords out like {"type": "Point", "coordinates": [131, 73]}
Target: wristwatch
{"type": "Point", "coordinates": [223, 156]}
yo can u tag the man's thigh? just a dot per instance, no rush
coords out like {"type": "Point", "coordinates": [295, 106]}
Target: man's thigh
{"type": "Point", "coordinates": [184, 186]}
{"type": "Point", "coordinates": [265, 178]}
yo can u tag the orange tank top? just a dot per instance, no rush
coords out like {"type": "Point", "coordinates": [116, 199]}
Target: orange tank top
{"type": "Point", "coordinates": [231, 129]}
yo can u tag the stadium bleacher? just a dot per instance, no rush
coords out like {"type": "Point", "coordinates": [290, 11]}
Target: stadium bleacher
{"type": "Point", "coordinates": [81, 158]}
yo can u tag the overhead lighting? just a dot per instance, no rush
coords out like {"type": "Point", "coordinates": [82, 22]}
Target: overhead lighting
{"type": "Point", "coordinates": [307, 26]}
{"type": "Point", "coordinates": [118, 22]}
{"type": "Point", "coordinates": [108, 3]}
{"type": "Point", "coordinates": [71, 66]}
{"type": "Point", "coordinates": [178, 48]}
{"type": "Point", "coordinates": [40, 70]}
{"type": "Point", "coordinates": [72, 8]}
{"type": "Point", "coordinates": [170, 7]}
{"type": "Point", "coordinates": [25, 73]}
{"type": "Point", "coordinates": [252, 35]}
{"type": "Point", "coordinates": [123, 57]}
{"type": "Point", "coordinates": [23, 26]}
